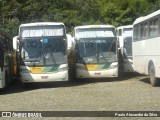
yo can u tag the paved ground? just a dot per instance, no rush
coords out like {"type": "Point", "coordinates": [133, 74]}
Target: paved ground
{"type": "Point", "coordinates": [131, 93]}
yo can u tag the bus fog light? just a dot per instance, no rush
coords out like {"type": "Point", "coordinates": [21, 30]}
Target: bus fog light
{"type": "Point", "coordinates": [62, 69]}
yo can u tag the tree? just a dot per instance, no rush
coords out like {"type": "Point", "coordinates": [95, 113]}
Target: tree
{"type": "Point", "coordinates": [73, 12]}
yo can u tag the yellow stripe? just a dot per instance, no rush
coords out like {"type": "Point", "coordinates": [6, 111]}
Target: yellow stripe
{"type": "Point", "coordinates": [36, 70]}
{"type": "Point", "coordinates": [91, 67]}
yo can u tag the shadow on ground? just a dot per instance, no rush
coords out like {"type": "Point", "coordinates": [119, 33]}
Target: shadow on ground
{"type": "Point", "coordinates": [147, 81]}
{"type": "Point", "coordinates": [18, 87]}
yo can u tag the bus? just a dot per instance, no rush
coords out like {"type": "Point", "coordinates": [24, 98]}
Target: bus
{"type": "Point", "coordinates": [42, 48]}
{"type": "Point", "coordinates": [7, 60]}
{"type": "Point", "coordinates": [95, 51]}
{"type": "Point", "coordinates": [146, 50]}
{"type": "Point", "coordinates": [124, 37]}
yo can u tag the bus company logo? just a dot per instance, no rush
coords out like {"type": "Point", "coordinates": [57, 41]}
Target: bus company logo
{"type": "Point", "coordinates": [6, 114]}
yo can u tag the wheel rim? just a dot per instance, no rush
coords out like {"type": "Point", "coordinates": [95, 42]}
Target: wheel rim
{"type": "Point", "coordinates": [153, 79]}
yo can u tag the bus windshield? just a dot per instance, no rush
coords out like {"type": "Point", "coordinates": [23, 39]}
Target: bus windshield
{"type": "Point", "coordinates": [96, 50]}
{"type": "Point", "coordinates": [43, 51]}
{"type": "Point", "coordinates": [128, 46]}
{"type": "Point", "coordinates": [128, 33]}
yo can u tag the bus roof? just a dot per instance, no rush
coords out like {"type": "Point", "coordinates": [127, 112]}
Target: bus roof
{"type": "Point", "coordinates": [125, 26]}
{"type": "Point", "coordinates": [94, 26]}
{"type": "Point", "coordinates": [41, 24]}
{"type": "Point", "coordinates": [143, 18]}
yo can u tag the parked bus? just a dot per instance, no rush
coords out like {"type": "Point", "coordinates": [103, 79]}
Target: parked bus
{"type": "Point", "coordinates": [124, 36]}
{"type": "Point", "coordinates": [7, 60]}
{"type": "Point", "coordinates": [95, 51]}
{"type": "Point", "coordinates": [43, 52]}
{"type": "Point", "coordinates": [146, 50]}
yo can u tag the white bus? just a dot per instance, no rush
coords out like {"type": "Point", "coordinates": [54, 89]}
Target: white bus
{"type": "Point", "coordinates": [95, 51]}
{"type": "Point", "coordinates": [43, 52]}
{"type": "Point", "coordinates": [146, 49]}
{"type": "Point", "coordinates": [7, 60]}
{"type": "Point", "coordinates": [124, 36]}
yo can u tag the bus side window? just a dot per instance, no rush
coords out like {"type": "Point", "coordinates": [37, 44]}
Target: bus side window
{"type": "Point", "coordinates": [153, 29]}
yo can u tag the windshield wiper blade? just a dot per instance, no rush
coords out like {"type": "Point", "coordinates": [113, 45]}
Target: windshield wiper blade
{"type": "Point", "coordinates": [31, 60]}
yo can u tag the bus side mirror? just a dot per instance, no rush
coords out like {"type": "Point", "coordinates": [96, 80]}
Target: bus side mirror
{"type": "Point", "coordinates": [15, 43]}
{"type": "Point", "coordinates": [69, 41]}
{"type": "Point", "coordinates": [70, 44]}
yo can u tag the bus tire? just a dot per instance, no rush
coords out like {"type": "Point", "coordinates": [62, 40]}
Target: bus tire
{"type": "Point", "coordinates": [153, 79]}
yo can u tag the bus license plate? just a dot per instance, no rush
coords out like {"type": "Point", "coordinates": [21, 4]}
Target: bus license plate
{"type": "Point", "coordinates": [97, 73]}
{"type": "Point", "coordinates": [44, 77]}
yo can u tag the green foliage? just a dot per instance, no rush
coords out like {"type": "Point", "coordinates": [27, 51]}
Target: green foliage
{"type": "Point", "coordinates": [73, 12]}
{"type": "Point", "coordinates": [13, 26]}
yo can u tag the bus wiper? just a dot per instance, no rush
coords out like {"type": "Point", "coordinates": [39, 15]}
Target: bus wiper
{"type": "Point", "coordinates": [31, 60]}
{"type": "Point", "coordinates": [103, 57]}
{"type": "Point", "coordinates": [35, 59]}
{"type": "Point", "coordinates": [51, 56]}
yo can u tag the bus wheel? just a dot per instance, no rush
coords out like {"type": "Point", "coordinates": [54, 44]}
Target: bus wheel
{"type": "Point", "coordinates": [153, 79]}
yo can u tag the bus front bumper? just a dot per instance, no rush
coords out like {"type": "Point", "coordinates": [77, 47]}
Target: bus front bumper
{"type": "Point", "coordinates": [97, 74]}
{"type": "Point", "coordinates": [58, 76]}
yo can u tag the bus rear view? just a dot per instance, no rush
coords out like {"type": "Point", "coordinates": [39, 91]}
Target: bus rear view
{"type": "Point", "coordinates": [96, 51]}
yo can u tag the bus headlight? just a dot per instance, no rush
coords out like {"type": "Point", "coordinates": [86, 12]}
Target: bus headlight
{"type": "Point", "coordinates": [25, 71]}
{"type": "Point", "coordinates": [113, 66]}
{"type": "Point", "coordinates": [62, 69]}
